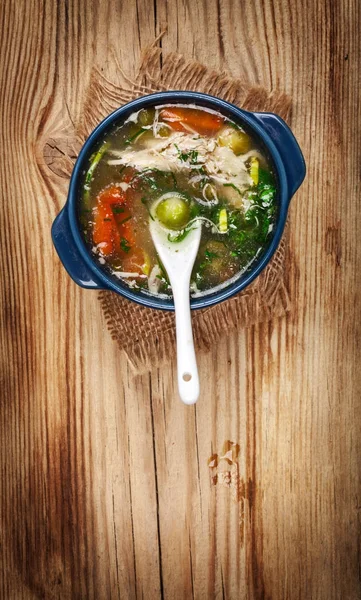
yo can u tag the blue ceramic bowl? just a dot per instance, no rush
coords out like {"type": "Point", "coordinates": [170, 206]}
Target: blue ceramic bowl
{"type": "Point", "coordinates": [272, 134]}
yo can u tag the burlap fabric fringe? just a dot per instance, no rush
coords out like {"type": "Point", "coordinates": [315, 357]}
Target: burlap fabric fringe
{"type": "Point", "coordinates": [147, 336]}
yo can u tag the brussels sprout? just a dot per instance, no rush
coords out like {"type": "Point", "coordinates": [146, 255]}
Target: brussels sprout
{"type": "Point", "coordinates": [146, 116]}
{"type": "Point", "coordinates": [238, 141]}
{"type": "Point", "coordinates": [163, 130]}
{"type": "Point", "coordinates": [173, 212]}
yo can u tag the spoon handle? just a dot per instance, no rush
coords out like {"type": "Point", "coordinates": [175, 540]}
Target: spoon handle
{"type": "Point", "coordinates": [188, 380]}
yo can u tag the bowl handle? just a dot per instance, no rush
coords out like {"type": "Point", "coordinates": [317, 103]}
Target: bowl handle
{"type": "Point", "coordinates": [287, 146]}
{"type": "Point", "coordinates": [69, 254]}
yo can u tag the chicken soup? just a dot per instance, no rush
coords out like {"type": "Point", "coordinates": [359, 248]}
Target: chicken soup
{"type": "Point", "coordinates": [191, 163]}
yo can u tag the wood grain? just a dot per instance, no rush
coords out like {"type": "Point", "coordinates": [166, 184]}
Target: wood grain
{"type": "Point", "coordinates": [106, 486]}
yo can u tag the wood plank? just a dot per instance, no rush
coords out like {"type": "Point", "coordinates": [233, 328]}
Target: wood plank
{"type": "Point", "coordinates": [106, 486]}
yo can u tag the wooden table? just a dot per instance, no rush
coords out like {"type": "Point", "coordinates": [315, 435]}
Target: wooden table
{"type": "Point", "coordinates": [106, 487]}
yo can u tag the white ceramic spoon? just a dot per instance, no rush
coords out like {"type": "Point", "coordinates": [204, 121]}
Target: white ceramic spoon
{"type": "Point", "coordinates": [178, 260]}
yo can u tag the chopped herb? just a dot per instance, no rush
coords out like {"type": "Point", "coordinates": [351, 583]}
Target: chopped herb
{"type": "Point", "coordinates": [131, 139]}
{"type": "Point", "coordinates": [179, 237]}
{"type": "Point", "coordinates": [164, 275]}
{"type": "Point", "coordinates": [234, 187]}
{"type": "Point", "coordinates": [200, 171]}
{"type": "Point", "coordinates": [194, 210]}
{"type": "Point", "coordinates": [124, 244]}
{"type": "Point", "coordinates": [147, 170]}
{"type": "Point", "coordinates": [265, 177]}
{"type": "Point", "coordinates": [118, 210]}
{"type": "Point", "coordinates": [106, 219]}
{"type": "Point", "coordinates": [209, 254]}
{"type": "Point", "coordinates": [150, 181]}
{"type": "Point", "coordinates": [234, 126]}
{"type": "Point", "coordinates": [267, 194]}
{"type": "Point", "coordinates": [125, 220]}
{"type": "Point", "coordinates": [141, 285]}
{"type": "Point", "coordinates": [94, 160]}
{"type": "Point", "coordinates": [183, 156]}
{"type": "Point", "coordinates": [191, 156]}
{"type": "Point", "coordinates": [144, 201]}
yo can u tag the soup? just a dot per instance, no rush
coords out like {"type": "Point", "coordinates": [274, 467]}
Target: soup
{"type": "Point", "coordinates": [189, 163]}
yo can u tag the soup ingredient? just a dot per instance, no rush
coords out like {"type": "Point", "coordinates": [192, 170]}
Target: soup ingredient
{"type": "Point", "coordinates": [223, 220]}
{"type": "Point", "coordinates": [254, 170]}
{"type": "Point", "coordinates": [238, 141]}
{"type": "Point", "coordinates": [186, 119]}
{"type": "Point", "coordinates": [173, 211]}
{"type": "Point", "coordinates": [94, 161]}
{"type": "Point", "coordinates": [146, 116]}
{"type": "Point", "coordinates": [106, 233]}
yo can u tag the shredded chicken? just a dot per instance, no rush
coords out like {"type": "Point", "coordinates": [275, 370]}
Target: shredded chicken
{"type": "Point", "coordinates": [165, 153]}
{"type": "Point", "coordinates": [184, 151]}
{"type": "Point", "coordinates": [225, 167]}
{"type": "Point", "coordinates": [153, 279]}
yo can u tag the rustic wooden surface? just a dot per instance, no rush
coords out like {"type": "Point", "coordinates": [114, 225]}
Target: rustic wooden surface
{"type": "Point", "coordinates": [106, 486]}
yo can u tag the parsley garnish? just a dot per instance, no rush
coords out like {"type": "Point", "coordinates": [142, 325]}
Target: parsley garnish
{"type": "Point", "coordinates": [125, 220]}
{"type": "Point", "coordinates": [124, 244]}
{"type": "Point", "coordinates": [144, 201]}
{"type": "Point", "coordinates": [191, 156]}
{"type": "Point", "coordinates": [233, 186]}
{"type": "Point", "coordinates": [209, 254]}
{"type": "Point", "coordinates": [208, 257]}
{"type": "Point", "coordinates": [131, 139]}
{"type": "Point", "coordinates": [179, 237]}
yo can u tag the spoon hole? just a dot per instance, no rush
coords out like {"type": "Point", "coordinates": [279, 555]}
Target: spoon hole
{"type": "Point", "coordinates": [187, 376]}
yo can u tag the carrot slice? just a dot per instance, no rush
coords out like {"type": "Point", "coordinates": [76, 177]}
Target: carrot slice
{"type": "Point", "coordinates": [201, 121]}
{"type": "Point", "coordinates": [105, 230]}
{"type": "Point", "coordinates": [111, 195]}
{"type": "Point", "coordinates": [126, 231]}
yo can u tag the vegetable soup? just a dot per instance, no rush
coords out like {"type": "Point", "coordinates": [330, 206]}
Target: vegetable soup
{"type": "Point", "coordinates": [189, 163]}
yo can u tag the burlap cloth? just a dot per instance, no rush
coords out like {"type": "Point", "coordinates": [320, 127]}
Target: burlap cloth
{"type": "Point", "coordinates": [147, 336]}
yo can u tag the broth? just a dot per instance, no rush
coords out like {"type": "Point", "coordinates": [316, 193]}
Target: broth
{"type": "Point", "coordinates": [196, 164]}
